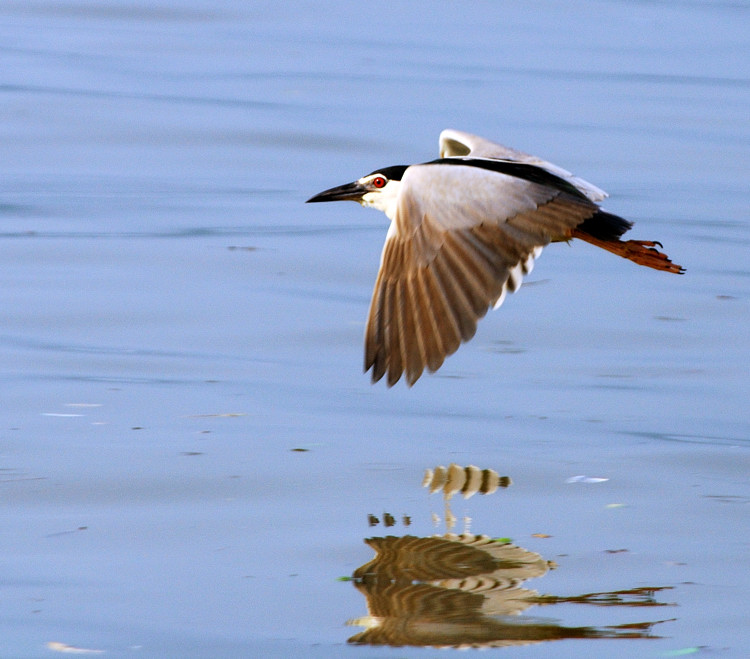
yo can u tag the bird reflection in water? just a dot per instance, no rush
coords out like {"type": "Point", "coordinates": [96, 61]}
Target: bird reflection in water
{"type": "Point", "coordinates": [465, 591]}
{"type": "Point", "coordinates": [466, 481]}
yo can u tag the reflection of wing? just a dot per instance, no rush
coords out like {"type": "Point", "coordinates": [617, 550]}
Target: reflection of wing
{"type": "Point", "coordinates": [458, 143]}
{"type": "Point", "coordinates": [467, 480]}
{"type": "Point", "coordinates": [448, 592]}
{"type": "Point", "coordinates": [460, 238]}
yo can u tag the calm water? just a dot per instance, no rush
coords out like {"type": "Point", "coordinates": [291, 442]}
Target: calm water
{"type": "Point", "coordinates": [176, 322]}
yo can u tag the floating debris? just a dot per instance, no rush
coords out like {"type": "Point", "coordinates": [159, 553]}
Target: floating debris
{"type": "Point", "coordinates": [226, 415]}
{"type": "Point", "coordinates": [62, 416]}
{"type": "Point", "coordinates": [586, 479]}
{"type": "Point", "coordinates": [53, 535]}
{"type": "Point", "coordinates": [683, 652]}
{"type": "Point", "coordinates": [70, 649]}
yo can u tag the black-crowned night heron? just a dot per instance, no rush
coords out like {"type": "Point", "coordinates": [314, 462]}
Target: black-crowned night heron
{"type": "Point", "coordinates": [464, 230]}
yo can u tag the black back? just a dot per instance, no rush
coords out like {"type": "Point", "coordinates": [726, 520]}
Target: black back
{"type": "Point", "coordinates": [522, 170]}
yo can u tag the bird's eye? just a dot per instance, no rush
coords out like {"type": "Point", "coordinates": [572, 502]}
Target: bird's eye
{"type": "Point", "coordinates": [378, 182]}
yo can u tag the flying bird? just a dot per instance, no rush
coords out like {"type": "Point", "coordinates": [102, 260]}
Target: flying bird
{"type": "Point", "coordinates": [465, 229]}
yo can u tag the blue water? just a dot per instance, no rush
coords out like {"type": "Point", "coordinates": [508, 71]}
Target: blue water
{"type": "Point", "coordinates": [175, 321]}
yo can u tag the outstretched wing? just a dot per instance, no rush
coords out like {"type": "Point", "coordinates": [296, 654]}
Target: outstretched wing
{"type": "Point", "coordinates": [460, 238]}
{"type": "Point", "coordinates": [458, 143]}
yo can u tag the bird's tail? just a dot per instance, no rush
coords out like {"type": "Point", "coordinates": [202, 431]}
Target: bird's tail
{"type": "Point", "coordinates": [642, 252]}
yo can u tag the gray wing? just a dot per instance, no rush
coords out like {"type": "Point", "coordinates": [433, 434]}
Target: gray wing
{"type": "Point", "coordinates": [459, 240]}
{"type": "Point", "coordinates": [458, 143]}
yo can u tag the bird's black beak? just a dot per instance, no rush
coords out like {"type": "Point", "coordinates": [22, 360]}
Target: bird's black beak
{"type": "Point", "coordinates": [350, 191]}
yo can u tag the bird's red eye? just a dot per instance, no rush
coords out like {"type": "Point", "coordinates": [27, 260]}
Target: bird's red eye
{"type": "Point", "coordinates": [378, 182]}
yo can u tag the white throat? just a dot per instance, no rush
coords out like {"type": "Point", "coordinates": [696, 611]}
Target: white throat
{"type": "Point", "coordinates": [384, 199]}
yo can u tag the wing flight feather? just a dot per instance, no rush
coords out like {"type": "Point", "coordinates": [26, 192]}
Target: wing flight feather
{"type": "Point", "coordinates": [449, 257]}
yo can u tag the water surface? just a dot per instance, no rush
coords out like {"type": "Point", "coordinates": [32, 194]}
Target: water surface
{"type": "Point", "coordinates": [176, 323]}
